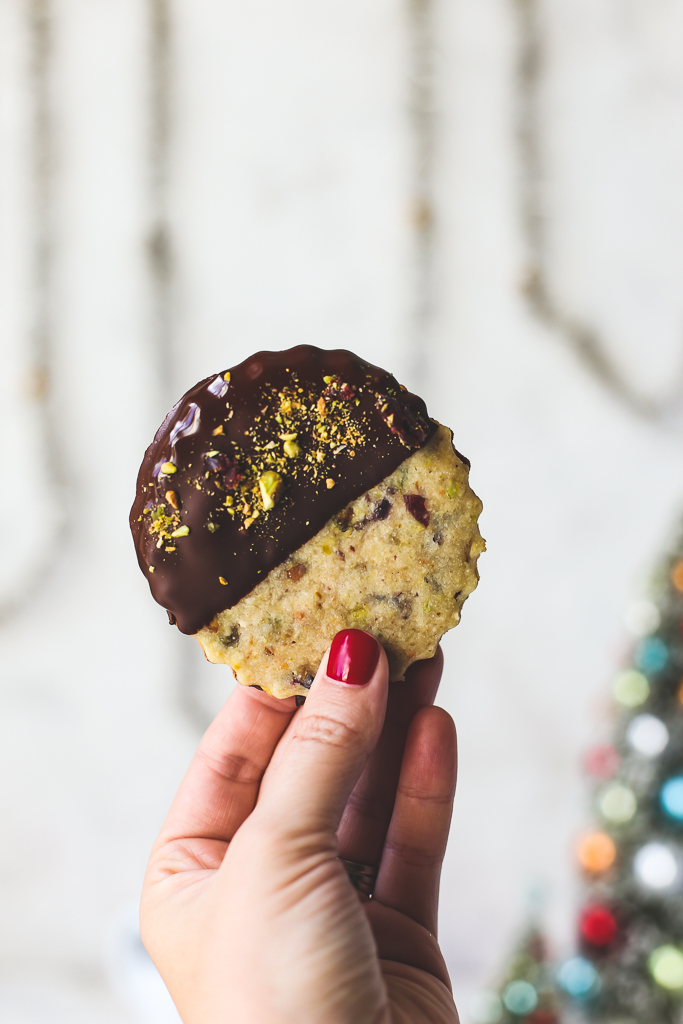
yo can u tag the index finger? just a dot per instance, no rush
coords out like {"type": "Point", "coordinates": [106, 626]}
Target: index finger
{"type": "Point", "coordinates": [221, 785]}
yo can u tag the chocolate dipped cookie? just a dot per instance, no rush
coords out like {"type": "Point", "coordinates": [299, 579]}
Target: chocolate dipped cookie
{"type": "Point", "coordinates": [298, 494]}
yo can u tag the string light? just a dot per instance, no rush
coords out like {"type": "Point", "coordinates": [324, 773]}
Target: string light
{"type": "Point", "coordinates": [618, 803]}
{"type": "Point", "coordinates": [671, 798]}
{"type": "Point", "coordinates": [647, 735]}
{"type": "Point", "coordinates": [520, 998]}
{"type": "Point", "coordinates": [666, 967]}
{"type": "Point", "coordinates": [596, 852]}
{"type": "Point", "coordinates": [579, 978]}
{"type": "Point", "coordinates": [651, 654]}
{"type": "Point", "coordinates": [631, 688]}
{"type": "Point", "coordinates": [655, 866]}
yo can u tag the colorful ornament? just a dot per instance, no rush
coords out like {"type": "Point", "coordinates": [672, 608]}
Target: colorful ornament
{"type": "Point", "coordinates": [596, 852]}
{"type": "Point", "coordinates": [647, 735]}
{"type": "Point", "coordinates": [486, 1008]}
{"type": "Point", "coordinates": [655, 866]}
{"type": "Point", "coordinates": [666, 967]}
{"type": "Point", "coordinates": [597, 925]}
{"type": "Point", "coordinates": [671, 798]}
{"type": "Point", "coordinates": [520, 997]}
{"type": "Point", "coordinates": [602, 761]}
{"type": "Point", "coordinates": [642, 617]}
{"type": "Point", "coordinates": [618, 804]}
{"type": "Point", "coordinates": [579, 978]}
{"type": "Point", "coordinates": [651, 654]}
{"type": "Point", "coordinates": [631, 688]}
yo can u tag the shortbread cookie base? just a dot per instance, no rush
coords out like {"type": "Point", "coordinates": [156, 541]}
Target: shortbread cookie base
{"type": "Point", "coordinates": [398, 562]}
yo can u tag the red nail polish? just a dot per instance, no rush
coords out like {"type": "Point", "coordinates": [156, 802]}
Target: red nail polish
{"type": "Point", "coordinates": [353, 657]}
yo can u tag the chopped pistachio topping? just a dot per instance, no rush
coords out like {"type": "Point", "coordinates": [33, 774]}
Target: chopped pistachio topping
{"type": "Point", "coordinates": [168, 468]}
{"type": "Point", "coordinates": [182, 531]}
{"type": "Point", "coordinates": [270, 484]}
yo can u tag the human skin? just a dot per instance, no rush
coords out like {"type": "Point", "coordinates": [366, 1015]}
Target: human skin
{"type": "Point", "coordinates": [247, 910]}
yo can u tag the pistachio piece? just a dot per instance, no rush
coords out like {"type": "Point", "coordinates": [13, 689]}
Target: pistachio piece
{"type": "Point", "coordinates": [330, 483]}
{"type": "Point", "coordinates": [172, 498]}
{"type": "Point", "coordinates": [287, 437]}
{"type": "Point", "coordinates": [270, 484]}
{"type": "Point", "coordinates": [182, 531]}
{"type": "Point", "coordinates": [291, 449]}
{"type": "Point", "coordinates": [212, 527]}
{"type": "Point", "coordinates": [221, 579]}
{"type": "Point", "coordinates": [218, 430]}
{"type": "Point", "coordinates": [168, 468]}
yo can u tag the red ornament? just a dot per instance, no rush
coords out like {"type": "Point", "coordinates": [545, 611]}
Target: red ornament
{"type": "Point", "coordinates": [602, 761]}
{"type": "Point", "coordinates": [598, 925]}
{"type": "Point", "coordinates": [540, 1017]}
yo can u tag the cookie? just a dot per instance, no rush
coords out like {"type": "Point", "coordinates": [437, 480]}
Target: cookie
{"type": "Point", "coordinates": [300, 493]}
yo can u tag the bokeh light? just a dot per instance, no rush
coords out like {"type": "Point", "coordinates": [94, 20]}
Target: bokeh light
{"type": "Point", "coordinates": [618, 804]}
{"type": "Point", "coordinates": [596, 852]}
{"type": "Point", "coordinates": [655, 866]}
{"type": "Point", "coordinates": [642, 617]}
{"type": "Point", "coordinates": [677, 576]}
{"type": "Point", "coordinates": [602, 761]}
{"type": "Point", "coordinates": [631, 688]}
{"type": "Point", "coordinates": [647, 735]}
{"type": "Point", "coordinates": [671, 797]}
{"type": "Point", "coordinates": [666, 967]}
{"type": "Point", "coordinates": [486, 1008]}
{"type": "Point", "coordinates": [520, 997]}
{"type": "Point", "coordinates": [579, 978]}
{"type": "Point", "coordinates": [597, 925]}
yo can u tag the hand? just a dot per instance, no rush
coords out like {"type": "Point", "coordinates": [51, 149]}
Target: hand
{"type": "Point", "coordinates": [247, 910]}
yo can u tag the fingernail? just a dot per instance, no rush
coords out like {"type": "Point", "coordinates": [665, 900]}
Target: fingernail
{"type": "Point", "coordinates": [353, 657]}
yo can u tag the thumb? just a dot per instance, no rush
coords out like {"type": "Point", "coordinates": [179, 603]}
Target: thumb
{"type": "Point", "coordinates": [321, 756]}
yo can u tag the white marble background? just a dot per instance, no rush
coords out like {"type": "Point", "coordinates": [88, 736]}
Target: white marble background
{"type": "Point", "coordinates": [182, 183]}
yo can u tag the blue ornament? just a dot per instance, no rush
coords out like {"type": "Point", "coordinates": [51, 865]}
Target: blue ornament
{"type": "Point", "coordinates": [671, 798]}
{"type": "Point", "coordinates": [651, 654]}
{"type": "Point", "coordinates": [579, 978]}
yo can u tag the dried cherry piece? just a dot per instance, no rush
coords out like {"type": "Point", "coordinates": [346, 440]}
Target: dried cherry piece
{"type": "Point", "coordinates": [415, 504]}
{"type": "Point", "coordinates": [226, 466]}
{"type": "Point", "coordinates": [411, 428]}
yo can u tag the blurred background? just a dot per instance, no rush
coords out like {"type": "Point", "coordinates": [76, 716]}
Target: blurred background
{"type": "Point", "coordinates": [483, 196]}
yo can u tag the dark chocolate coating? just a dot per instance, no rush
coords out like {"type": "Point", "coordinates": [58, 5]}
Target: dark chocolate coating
{"type": "Point", "coordinates": [354, 426]}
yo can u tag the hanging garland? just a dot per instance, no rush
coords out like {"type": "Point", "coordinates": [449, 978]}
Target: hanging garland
{"type": "Point", "coordinates": [583, 339]}
{"type": "Point", "coordinates": [54, 537]}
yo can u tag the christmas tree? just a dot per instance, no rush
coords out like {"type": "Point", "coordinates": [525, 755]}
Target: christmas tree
{"type": "Point", "coordinates": [628, 964]}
